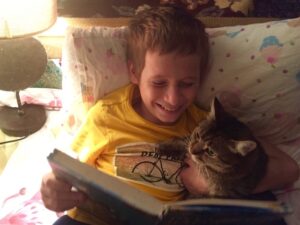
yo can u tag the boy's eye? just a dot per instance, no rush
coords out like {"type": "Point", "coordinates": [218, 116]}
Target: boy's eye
{"type": "Point", "coordinates": [186, 84]}
{"type": "Point", "coordinates": [159, 83]}
{"type": "Point", "coordinates": [182, 84]}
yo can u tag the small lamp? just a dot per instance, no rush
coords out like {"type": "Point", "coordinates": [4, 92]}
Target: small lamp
{"type": "Point", "coordinates": [23, 60]}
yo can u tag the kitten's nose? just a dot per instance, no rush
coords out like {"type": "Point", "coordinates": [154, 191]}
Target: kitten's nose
{"type": "Point", "coordinates": [196, 149]}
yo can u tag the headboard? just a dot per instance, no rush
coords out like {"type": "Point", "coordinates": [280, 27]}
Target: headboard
{"type": "Point", "coordinates": [53, 43]}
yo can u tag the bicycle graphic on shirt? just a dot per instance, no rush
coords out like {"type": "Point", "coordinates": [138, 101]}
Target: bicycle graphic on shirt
{"type": "Point", "coordinates": [154, 171]}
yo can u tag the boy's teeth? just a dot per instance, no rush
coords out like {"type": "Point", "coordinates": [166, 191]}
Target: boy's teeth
{"type": "Point", "coordinates": [167, 109]}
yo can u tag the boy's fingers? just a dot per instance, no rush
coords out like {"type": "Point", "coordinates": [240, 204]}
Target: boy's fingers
{"type": "Point", "coordinates": [58, 195]}
{"type": "Point", "coordinates": [64, 202]}
{"type": "Point", "coordinates": [53, 182]}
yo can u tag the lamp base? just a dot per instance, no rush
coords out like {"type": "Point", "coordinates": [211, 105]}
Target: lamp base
{"type": "Point", "coordinates": [14, 123]}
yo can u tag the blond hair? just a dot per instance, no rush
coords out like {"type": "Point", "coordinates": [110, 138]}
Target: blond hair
{"type": "Point", "coordinates": [166, 29]}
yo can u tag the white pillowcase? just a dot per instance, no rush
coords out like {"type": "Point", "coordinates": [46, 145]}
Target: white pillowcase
{"type": "Point", "coordinates": [256, 75]}
{"type": "Point", "coordinates": [93, 64]}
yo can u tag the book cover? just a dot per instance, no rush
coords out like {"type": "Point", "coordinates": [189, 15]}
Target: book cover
{"type": "Point", "coordinates": [133, 206]}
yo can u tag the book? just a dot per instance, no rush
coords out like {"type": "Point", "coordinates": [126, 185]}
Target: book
{"type": "Point", "coordinates": [134, 206]}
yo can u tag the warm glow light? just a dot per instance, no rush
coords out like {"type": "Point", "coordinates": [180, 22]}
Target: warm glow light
{"type": "Point", "coordinates": [26, 17]}
{"type": "Point", "coordinates": [58, 29]}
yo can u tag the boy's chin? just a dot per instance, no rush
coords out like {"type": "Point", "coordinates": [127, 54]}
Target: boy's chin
{"type": "Point", "coordinates": [168, 121]}
{"type": "Point", "coordinates": [168, 118]}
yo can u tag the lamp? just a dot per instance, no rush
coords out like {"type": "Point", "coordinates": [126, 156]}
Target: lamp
{"type": "Point", "coordinates": [23, 60]}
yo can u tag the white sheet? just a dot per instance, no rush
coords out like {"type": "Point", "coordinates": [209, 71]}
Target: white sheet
{"type": "Point", "coordinates": [20, 201]}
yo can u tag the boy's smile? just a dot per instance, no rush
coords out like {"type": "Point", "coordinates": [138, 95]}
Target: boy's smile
{"type": "Point", "coordinates": [168, 84]}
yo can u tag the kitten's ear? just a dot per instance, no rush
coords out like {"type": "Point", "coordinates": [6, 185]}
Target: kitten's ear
{"type": "Point", "coordinates": [217, 112]}
{"type": "Point", "coordinates": [242, 147]}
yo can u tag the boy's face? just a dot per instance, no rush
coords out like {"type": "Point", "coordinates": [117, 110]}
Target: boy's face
{"type": "Point", "coordinates": [168, 84]}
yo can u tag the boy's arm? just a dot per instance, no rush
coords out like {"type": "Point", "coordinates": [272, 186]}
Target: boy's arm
{"type": "Point", "coordinates": [282, 170]}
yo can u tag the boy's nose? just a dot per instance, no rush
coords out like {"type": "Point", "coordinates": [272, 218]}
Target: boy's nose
{"type": "Point", "coordinates": [172, 96]}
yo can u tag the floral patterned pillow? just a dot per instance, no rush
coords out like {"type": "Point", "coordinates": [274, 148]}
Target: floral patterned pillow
{"type": "Point", "coordinates": [255, 73]}
{"type": "Point", "coordinates": [52, 77]}
{"type": "Point", "coordinates": [93, 64]}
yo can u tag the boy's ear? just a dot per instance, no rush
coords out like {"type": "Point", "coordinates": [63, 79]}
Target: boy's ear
{"type": "Point", "coordinates": [132, 72]}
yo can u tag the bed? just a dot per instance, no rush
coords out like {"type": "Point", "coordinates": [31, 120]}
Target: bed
{"type": "Point", "coordinates": [258, 81]}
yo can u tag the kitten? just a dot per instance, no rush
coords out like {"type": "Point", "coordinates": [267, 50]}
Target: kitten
{"type": "Point", "coordinates": [227, 154]}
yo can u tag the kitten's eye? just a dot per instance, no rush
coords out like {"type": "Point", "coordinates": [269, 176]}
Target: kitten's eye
{"type": "Point", "coordinates": [196, 135]}
{"type": "Point", "coordinates": [210, 152]}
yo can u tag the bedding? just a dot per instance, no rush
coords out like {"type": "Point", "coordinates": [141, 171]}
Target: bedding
{"type": "Point", "coordinates": [52, 77]}
{"type": "Point", "coordinates": [48, 97]}
{"type": "Point", "coordinates": [46, 91]}
{"type": "Point", "coordinates": [260, 78]}
{"type": "Point", "coordinates": [256, 77]}
{"type": "Point", "coordinates": [6, 149]}
{"type": "Point", "coordinates": [20, 200]}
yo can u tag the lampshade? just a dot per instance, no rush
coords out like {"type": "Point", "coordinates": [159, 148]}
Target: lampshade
{"type": "Point", "coordinates": [23, 60]}
{"type": "Point", "coordinates": [26, 17]}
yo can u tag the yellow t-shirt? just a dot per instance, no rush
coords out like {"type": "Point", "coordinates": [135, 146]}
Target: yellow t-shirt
{"type": "Point", "coordinates": [117, 140]}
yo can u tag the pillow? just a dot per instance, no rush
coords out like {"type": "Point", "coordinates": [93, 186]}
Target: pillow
{"type": "Point", "coordinates": [93, 64]}
{"type": "Point", "coordinates": [52, 77]}
{"type": "Point", "coordinates": [255, 73]}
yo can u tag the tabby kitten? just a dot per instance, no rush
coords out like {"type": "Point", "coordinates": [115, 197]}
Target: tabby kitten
{"type": "Point", "coordinates": [227, 154]}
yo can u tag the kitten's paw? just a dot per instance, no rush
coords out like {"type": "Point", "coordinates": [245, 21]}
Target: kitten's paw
{"type": "Point", "coordinates": [171, 149]}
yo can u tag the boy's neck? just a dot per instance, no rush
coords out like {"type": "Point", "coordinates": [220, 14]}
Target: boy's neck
{"type": "Point", "coordinates": [136, 101]}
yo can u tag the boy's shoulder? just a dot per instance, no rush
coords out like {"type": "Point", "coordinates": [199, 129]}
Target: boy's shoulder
{"type": "Point", "coordinates": [197, 113]}
{"type": "Point", "coordinates": [112, 105]}
{"type": "Point", "coordinates": [117, 96]}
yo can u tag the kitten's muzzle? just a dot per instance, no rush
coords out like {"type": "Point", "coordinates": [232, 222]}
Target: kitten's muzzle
{"type": "Point", "coordinates": [186, 161]}
{"type": "Point", "coordinates": [195, 149]}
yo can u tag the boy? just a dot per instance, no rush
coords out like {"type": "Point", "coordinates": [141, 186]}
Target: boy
{"type": "Point", "coordinates": [167, 56]}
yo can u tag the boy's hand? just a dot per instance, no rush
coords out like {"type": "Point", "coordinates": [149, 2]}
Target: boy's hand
{"type": "Point", "coordinates": [58, 195]}
{"type": "Point", "coordinates": [192, 179]}
{"type": "Point", "coordinates": [282, 170]}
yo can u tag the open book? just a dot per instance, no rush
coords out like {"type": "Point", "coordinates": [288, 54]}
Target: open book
{"type": "Point", "coordinates": [133, 206]}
